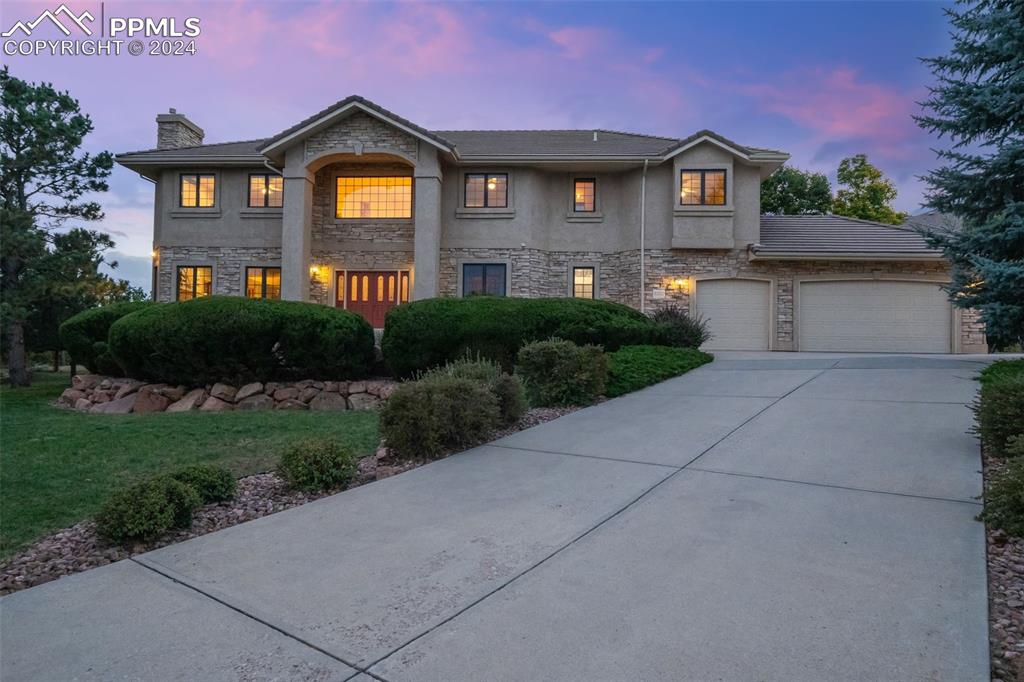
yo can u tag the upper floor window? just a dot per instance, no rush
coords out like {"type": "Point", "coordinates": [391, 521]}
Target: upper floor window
{"type": "Point", "coordinates": [486, 190]}
{"type": "Point", "coordinates": [584, 193]}
{"type": "Point", "coordinates": [483, 278]}
{"type": "Point", "coordinates": [266, 191]}
{"type": "Point", "coordinates": [194, 281]}
{"type": "Point", "coordinates": [702, 188]}
{"type": "Point", "coordinates": [197, 190]}
{"type": "Point", "coordinates": [374, 197]}
{"type": "Point", "coordinates": [263, 282]}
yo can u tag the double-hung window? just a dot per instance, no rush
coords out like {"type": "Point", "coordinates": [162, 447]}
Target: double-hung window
{"type": "Point", "coordinates": [584, 195]}
{"type": "Point", "coordinates": [702, 188]}
{"type": "Point", "coordinates": [263, 282]}
{"type": "Point", "coordinates": [483, 278]}
{"type": "Point", "coordinates": [486, 190]}
{"type": "Point", "coordinates": [194, 281]}
{"type": "Point", "coordinates": [266, 190]}
{"type": "Point", "coordinates": [197, 190]}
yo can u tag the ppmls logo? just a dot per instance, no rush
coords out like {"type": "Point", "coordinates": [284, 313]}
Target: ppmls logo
{"type": "Point", "coordinates": [164, 36]}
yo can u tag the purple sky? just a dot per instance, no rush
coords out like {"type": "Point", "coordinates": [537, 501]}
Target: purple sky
{"type": "Point", "coordinates": [819, 80]}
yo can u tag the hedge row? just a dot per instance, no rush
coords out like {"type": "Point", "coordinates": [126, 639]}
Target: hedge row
{"type": "Point", "coordinates": [431, 332]}
{"type": "Point", "coordinates": [633, 367]}
{"type": "Point", "coordinates": [238, 340]}
{"type": "Point", "coordinates": [84, 335]}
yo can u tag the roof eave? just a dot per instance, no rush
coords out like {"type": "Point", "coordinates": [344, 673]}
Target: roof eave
{"type": "Point", "coordinates": [761, 255]}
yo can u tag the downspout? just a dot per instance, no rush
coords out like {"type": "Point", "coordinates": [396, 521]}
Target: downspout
{"type": "Point", "coordinates": [643, 228]}
{"type": "Point", "coordinates": [266, 162]}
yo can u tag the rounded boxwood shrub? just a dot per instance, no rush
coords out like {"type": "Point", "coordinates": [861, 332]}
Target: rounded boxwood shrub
{"type": "Point", "coordinates": [427, 333]}
{"type": "Point", "coordinates": [999, 412]}
{"type": "Point", "coordinates": [84, 335]}
{"type": "Point", "coordinates": [147, 510]}
{"type": "Point", "coordinates": [213, 483]}
{"type": "Point", "coordinates": [316, 465]}
{"type": "Point", "coordinates": [237, 340]}
{"type": "Point", "coordinates": [507, 388]}
{"type": "Point", "coordinates": [558, 372]}
{"type": "Point", "coordinates": [632, 367]}
{"type": "Point", "coordinates": [426, 418]}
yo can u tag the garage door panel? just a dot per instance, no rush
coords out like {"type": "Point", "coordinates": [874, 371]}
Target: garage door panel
{"type": "Point", "coordinates": [874, 316]}
{"type": "Point", "coordinates": [737, 311]}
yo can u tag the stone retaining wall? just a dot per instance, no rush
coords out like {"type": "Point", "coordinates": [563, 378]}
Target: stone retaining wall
{"type": "Point", "coordinates": [110, 395]}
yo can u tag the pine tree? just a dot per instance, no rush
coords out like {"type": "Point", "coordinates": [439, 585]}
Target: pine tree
{"type": "Point", "coordinates": [978, 104]}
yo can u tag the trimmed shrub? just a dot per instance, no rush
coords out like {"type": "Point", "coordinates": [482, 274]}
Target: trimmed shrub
{"type": "Point", "coordinates": [316, 465]}
{"type": "Point", "coordinates": [238, 340]}
{"type": "Point", "coordinates": [558, 372]}
{"type": "Point", "coordinates": [678, 328]}
{"type": "Point", "coordinates": [147, 510]}
{"type": "Point", "coordinates": [426, 418]}
{"type": "Point", "coordinates": [632, 367]}
{"type": "Point", "coordinates": [1001, 369]}
{"type": "Point", "coordinates": [84, 335]}
{"type": "Point", "coordinates": [213, 483]}
{"type": "Point", "coordinates": [424, 334]}
{"type": "Point", "coordinates": [507, 388]}
{"type": "Point", "coordinates": [1004, 499]}
{"type": "Point", "coordinates": [999, 413]}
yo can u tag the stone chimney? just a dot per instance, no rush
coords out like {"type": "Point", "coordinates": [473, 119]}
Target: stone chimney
{"type": "Point", "coordinates": [174, 130]}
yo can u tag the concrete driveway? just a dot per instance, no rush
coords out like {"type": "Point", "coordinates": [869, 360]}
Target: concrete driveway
{"type": "Point", "coordinates": [788, 516]}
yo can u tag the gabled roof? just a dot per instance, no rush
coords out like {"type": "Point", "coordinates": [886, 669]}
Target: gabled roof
{"type": "Point", "coordinates": [220, 149]}
{"type": "Point", "coordinates": [338, 109]}
{"type": "Point", "coordinates": [809, 237]}
{"type": "Point", "coordinates": [934, 221]}
{"type": "Point", "coordinates": [751, 153]}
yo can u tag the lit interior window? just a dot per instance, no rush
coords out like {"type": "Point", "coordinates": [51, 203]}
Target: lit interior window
{"type": "Point", "coordinates": [263, 282]}
{"type": "Point", "coordinates": [266, 191]}
{"type": "Point", "coordinates": [374, 197]}
{"type": "Point", "coordinates": [194, 282]}
{"type": "Point", "coordinates": [584, 192]}
{"type": "Point", "coordinates": [702, 188]}
{"type": "Point", "coordinates": [197, 190]}
{"type": "Point", "coordinates": [583, 282]}
{"type": "Point", "coordinates": [485, 190]}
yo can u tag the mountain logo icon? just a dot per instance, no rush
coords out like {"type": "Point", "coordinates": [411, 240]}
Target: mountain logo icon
{"type": "Point", "coordinates": [54, 17]}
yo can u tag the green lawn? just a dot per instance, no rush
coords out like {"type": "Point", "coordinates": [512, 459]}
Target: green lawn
{"type": "Point", "coordinates": [58, 466]}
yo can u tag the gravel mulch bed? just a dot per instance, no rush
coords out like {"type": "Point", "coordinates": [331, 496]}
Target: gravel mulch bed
{"type": "Point", "coordinates": [1005, 596]}
{"type": "Point", "coordinates": [79, 548]}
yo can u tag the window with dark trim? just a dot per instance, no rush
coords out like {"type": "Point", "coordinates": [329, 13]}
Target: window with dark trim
{"type": "Point", "coordinates": [486, 190]}
{"type": "Point", "coordinates": [702, 188]}
{"type": "Point", "coordinates": [266, 190]}
{"type": "Point", "coordinates": [583, 282]}
{"type": "Point", "coordinates": [197, 190]}
{"type": "Point", "coordinates": [483, 278]}
{"type": "Point", "coordinates": [373, 197]}
{"type": "Point", "coordinates": [263, 282]}
{"type": "Point", "coordinates": [194, 281]}
{"type": "Point", "coordinates": [584, 195]}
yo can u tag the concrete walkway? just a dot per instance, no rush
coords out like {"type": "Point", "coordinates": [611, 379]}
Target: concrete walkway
{"type": "Point", "coordinates": [788, 516]}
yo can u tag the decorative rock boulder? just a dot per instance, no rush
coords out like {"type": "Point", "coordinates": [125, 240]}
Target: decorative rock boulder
{"type": "Point", "coordinates": [289, 393]}
{"type": "Point", "coordinates": [291, 404]}
{"type": "Point", "coordinates": [148, 400]}
{"type": "Point", "coordinates": [70, 396]}
{"type": "Point", "coordinates": [224, 392]}
{"type": "Point", "coordinates": [120, 406]}
{"type": "Point", "coordinates": [255, 402]}
{"type": "Point", "coordinates": [189, 401]}
{"type": "Point", "coordinates": [213, 404]}
{"type": "Point", "coordinates": [248, 390]}
{"type": "Point", "coordinates": [308, 394]}
{"type": "Point", "coordinates": [363, 401]}
{"type": "Point", "coordinates": [328, 402]}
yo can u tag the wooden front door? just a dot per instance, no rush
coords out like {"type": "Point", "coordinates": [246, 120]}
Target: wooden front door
{"type": "Point", "coordinates": [372, 293]}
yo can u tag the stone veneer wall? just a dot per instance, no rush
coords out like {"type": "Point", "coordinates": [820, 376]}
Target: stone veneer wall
{"type": "Point", "coordinates": [363, 130]}
{"type": "Point", "coordinates": [228, 263]}
{"type": "Point", "coordinates": [320, 290]}
{"type": "Point", "coordinates": [328, 232]}
{"type": "Point", "coordinates": [537, 273]}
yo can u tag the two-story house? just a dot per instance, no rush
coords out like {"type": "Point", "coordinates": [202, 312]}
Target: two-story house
{"type": "Point", "coordinates": [359, 208]}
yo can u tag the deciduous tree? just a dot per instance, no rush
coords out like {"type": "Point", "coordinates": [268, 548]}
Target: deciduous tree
{"type": "Point", "coordinates": [865, 192]}
{"type": "Point", "coordinates": [791, 191]}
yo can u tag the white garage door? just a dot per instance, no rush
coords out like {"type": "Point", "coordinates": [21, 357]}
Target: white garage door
{"type": "Point", "coordinates": [880, 316]}
{"type": "Point", "coordinates": [737, 311]}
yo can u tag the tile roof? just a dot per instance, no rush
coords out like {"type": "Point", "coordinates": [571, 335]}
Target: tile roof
{"type": "Point", "coordinates": [242, 148]}
{"type": "Point", "coordinates": [837, 235]}
{"type": "Point", "coordinates": [572, 143]}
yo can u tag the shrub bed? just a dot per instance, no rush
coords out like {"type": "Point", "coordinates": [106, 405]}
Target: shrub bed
{"type": "Point", "coordinates": [999, 410]}
{"type": "Point", "coordinates": [681, 329]}
{"type": "Point", "coordinates": [84, 335]}
{"type": "Point", "coordinates": [212, 483]}
{"type": "Point", "coordinates": [1004, 497]}
{"type": "Point", "coordinates": [238, 340]}
{"type": "Point", "coordinates": [506, 388]}
{"type": "Point", "coordinates": [148, 509]}
{"type": "Point", "coordinates": [315, 465]}
{"type": "Point", "coordinates": [632, 367]}
{"type": "Point", "coordinates": [440, 413]}
{"type": "Point", "coordinates": [558, 372]}
{"type": "Point", "coordinates": [1001, 369]}
{"type": "Point", "coordinates": [428, 333]}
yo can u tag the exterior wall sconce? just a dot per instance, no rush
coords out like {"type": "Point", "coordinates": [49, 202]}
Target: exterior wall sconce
{"type": "Point", "coordinates": [155, 256]}
{"type": "Point", "coordinates": [681, 284]}
{"type": "Point", "coordinates": [315, 272]}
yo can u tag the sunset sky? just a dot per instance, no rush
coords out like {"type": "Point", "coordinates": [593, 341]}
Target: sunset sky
{"type": "Point", "coordinates": [820, 80]}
